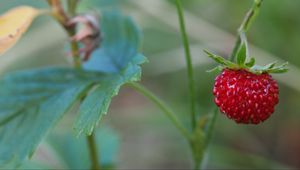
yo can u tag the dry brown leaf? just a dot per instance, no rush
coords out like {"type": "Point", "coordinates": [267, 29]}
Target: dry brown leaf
{"type": "Point", "coordinates": [13, 24]}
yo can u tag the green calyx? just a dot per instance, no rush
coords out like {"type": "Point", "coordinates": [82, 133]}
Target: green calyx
{"type": "Point", "coordinates": [246, 63]}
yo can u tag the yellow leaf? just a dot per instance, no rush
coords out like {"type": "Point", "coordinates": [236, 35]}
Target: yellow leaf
{"type": "Point", "coordinates": [13, 24]}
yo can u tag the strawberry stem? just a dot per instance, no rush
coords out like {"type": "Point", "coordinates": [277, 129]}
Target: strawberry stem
{"type": "Point", "coordinates": [188, 59]}
{"type": "Point", "coordinates": [246, 24]}
{"type": "Point", "coordinates": [93, 152]}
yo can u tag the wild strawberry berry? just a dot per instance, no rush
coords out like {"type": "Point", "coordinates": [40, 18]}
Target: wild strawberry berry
{"type": "Point", "coordinates": [244, 96]}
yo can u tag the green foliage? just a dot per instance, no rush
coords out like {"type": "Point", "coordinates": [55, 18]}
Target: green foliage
{"type": "Point", "coordinates": [31, 102]}
{"type": "Point", "coordinates": [96, 103]}
{"type": "Point", "coordinates": [121, 42]}
{"type": "Point", "coordinates": [251, 62]}
{"type": "Point", "coordinates": [249, 66]}
{"type": "Point", "coordinates": [242, 54]}
{"type": "Point", "coordinates": [119, 56]}
{"type": "Point", "coordinates": [222, 61]}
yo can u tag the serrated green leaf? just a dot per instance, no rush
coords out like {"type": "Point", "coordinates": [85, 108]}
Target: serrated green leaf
{"type": "Point", "coordinates": [38, 99]}
{"type": "Point", "coordinates": [242, 54]}
{"type": "Point", "coordinates": [251, 63]}
{"type": "Point", "coordinates": [31, 102]}
{"type": "Point", "coordinates": [94, 106]}
{"type": "Point", "coordinates": [97, 102]}
{"type": "Point", "coordinates": [20, 136]}
{"type": "Point", "coordinates": [119, 56]}
{"type": "Point", "coordinates": [121, 43]}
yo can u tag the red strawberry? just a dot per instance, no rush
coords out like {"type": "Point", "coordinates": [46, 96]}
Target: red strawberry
{"type": "Point", "coordinates": [244, 96]}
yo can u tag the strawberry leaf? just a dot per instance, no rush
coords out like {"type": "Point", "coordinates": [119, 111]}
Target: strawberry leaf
{"type": "Point", "coordinates": [242, 54]}
{"type": "Point", "coordinates": [121, 43]}
{"type": "Point", "coordinates": [97, 102]}
{"type": "Point", "coordinates": [251, 62]}
{"type": "Point", "coordinates": [118, 55]}
{"type": "Point", "coordinates": [221, 60]}
{"type": "Point", "coordinates": [269, 66]}
{"type": "Point", "coordinates": [278, 70]}
{"type": "Point", "coordinates": [32, 102]}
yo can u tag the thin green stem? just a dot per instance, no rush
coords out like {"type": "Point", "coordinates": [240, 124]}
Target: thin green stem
{"type": "Point", "coordinates": [188, 59]}
{"type": "Point", "coordinates": [245, 26]}
{"type": "Point", "coordinates": [74, 49]}
{"type": "Point", "coordinates": [167, 110]}
{"type": "Point", "coordinates": [93, 152]}
{"type": "Point", "coordinates": [72, 6]}
{"type": "Point", "coordinates": [62, 18]}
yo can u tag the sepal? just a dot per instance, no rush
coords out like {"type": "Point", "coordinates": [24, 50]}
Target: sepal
{"type": "Point", "coordinates": [249, 66]}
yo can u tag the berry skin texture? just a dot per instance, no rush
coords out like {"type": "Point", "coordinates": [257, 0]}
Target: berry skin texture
{"type": "Point", "coordinates": [245, 97]}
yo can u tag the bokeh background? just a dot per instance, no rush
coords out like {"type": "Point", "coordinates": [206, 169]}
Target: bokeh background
{"type": "Point", "coordinates": [147, 139]}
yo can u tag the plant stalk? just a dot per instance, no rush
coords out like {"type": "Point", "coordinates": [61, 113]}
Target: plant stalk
{"type": "Point", "coordinates": [188, 59]}
{"type": "Point", "coordinates": [245, 26]}
{"type": "Point", "coordinates": [166, 110]}
{"type": "Point", "coordinates": [62, 18]}
{"type": "Point", "coordinates": [74, 49]}
{"type": "Point", "coordinates": [93, 152]}
{"type": "Point", "coordinates": [72, 6]}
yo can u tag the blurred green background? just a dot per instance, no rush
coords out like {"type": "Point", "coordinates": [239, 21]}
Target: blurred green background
{"type": "Point", "coordinates": [147, 138]}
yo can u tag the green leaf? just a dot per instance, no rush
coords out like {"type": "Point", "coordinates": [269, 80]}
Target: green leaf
{"type": "Point", "coordinates": [37, 99]}
{"type": "Point", "coordinates": [278, 70]}
{"type": "Point", "coordinates": [119, 55]}
{"type": "Point", "coordinates": [97, 102]}
{"type": "Point", "coordinates": [269, 66]}
{"type": "Point", "coordinates": [31, 102]}
{"type": "Point", "coordinates": [221, 60]}
{"type": "Point", "coordinates": [121, 43]}
{"type": "Point", "coordinates": [74, 151]}
{"type": "Point", "coordinates": [242, 54]}
{"type": "Point", "coordinates": [251, 63]}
